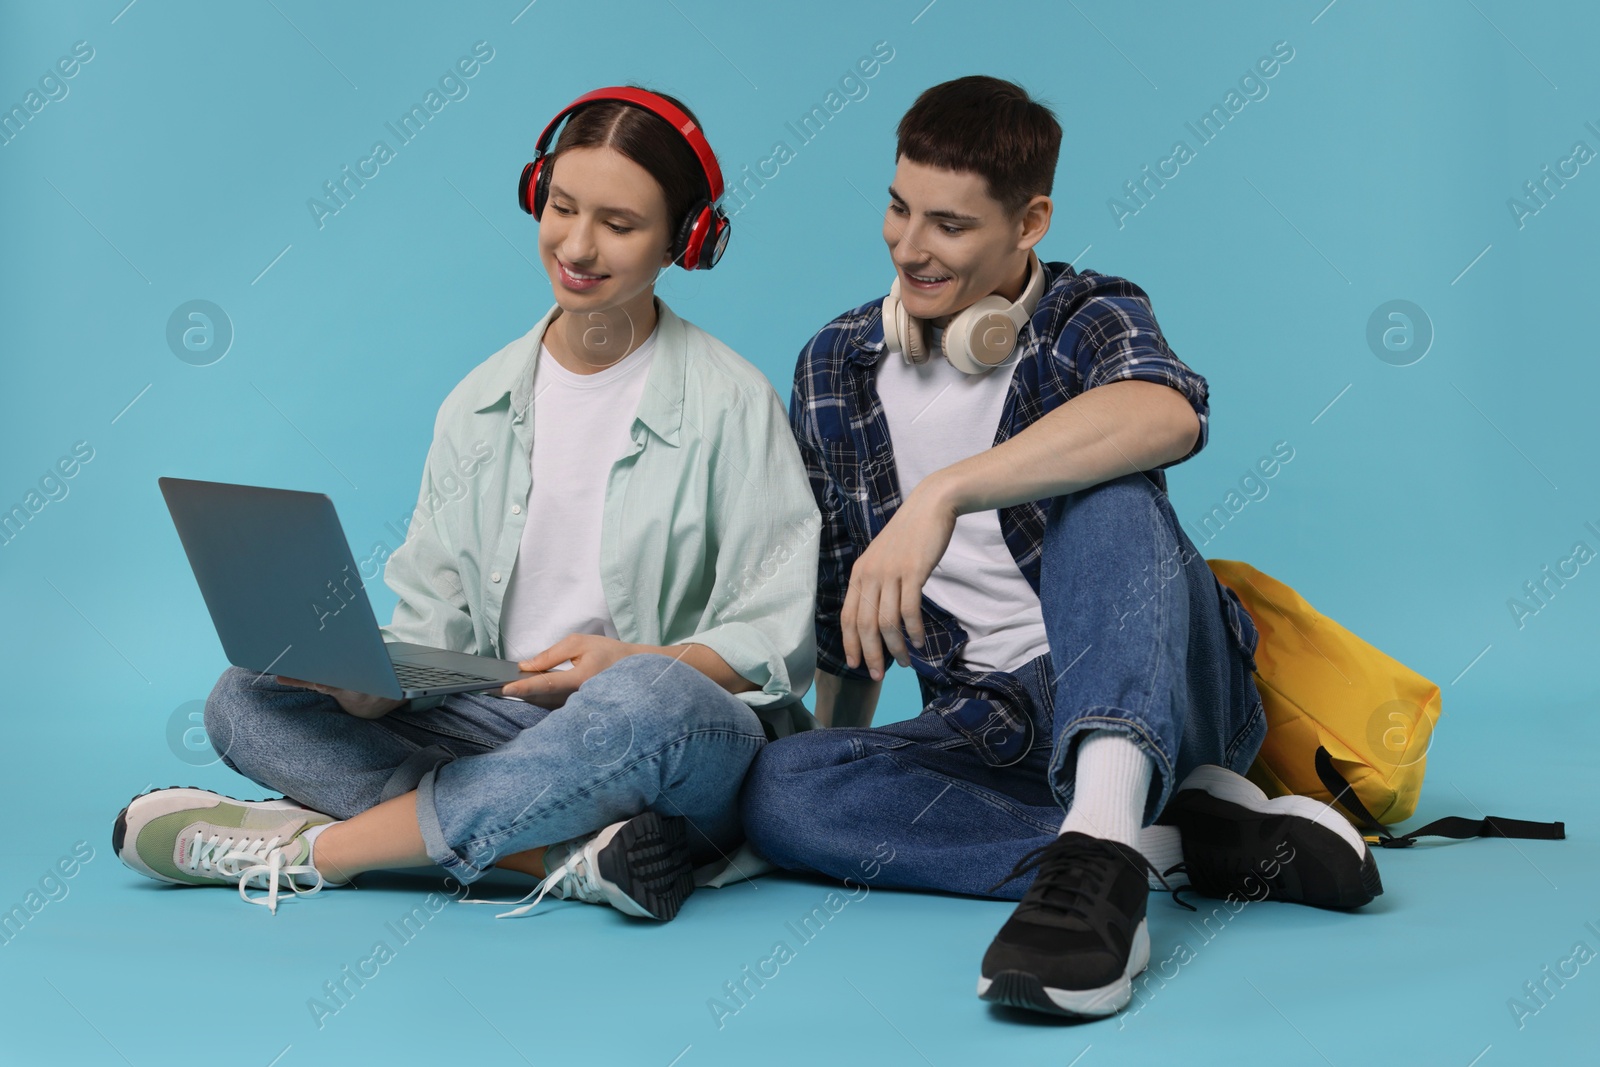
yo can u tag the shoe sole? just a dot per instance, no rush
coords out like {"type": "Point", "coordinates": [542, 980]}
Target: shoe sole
{"type": "Point", "coordinates": [174, 798]}
{"type": "Point", "coordinates": [1022, 989]}
{"type": "Point", "coordinates": [1210, 796]}
{"type": "Point", "coordinates": [648, 862]}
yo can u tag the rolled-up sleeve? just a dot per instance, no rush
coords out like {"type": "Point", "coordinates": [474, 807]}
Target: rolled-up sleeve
{"type": "Point", "coordinates": [759, 616]}
{"type": "Point", "coordinates": [1117, 339]}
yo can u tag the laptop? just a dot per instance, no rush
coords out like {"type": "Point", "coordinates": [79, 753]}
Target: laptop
{"type": "Point", "coordinates": [286, 596]}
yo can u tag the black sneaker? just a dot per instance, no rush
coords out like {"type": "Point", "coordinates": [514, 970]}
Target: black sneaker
{"type": "Point", "coordinates": [640, 866]}
{"type": "Point", "coordinates": [1078, 936]}
{"type": "Point", "coordinates": [1238, 843]}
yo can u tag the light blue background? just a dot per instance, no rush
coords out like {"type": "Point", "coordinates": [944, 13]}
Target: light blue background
{"type": "Point", "coordinates": [1377, 168]}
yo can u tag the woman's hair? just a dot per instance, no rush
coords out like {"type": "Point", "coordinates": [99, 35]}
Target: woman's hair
{"type": "Point", "coordinates": [988, 126]}
{"type": "Point", "coordinates": [649, 141]}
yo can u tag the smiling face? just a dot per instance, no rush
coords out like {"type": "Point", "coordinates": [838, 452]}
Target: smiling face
{"type": "Point", "coordinates": [952, 243]}
{"type": "Point", "coordinates": [604, 233]}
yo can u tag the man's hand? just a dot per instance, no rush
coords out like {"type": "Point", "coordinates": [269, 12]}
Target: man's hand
{"type": "Point", "coordinates": [590, 654]}
{"type": "Point", "coordinates": [361, 705]}
{"type": "Point", "coordinates": [887, 579]}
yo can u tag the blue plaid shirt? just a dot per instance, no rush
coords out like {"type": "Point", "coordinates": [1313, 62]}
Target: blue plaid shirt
{"type": "Point", "coordinates": [1089, 329]}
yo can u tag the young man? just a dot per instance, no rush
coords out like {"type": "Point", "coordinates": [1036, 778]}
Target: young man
{"type": "Point", "coordinates": [987, 446]}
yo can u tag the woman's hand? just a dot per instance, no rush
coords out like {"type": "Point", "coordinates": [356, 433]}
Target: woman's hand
{"type": "Point", "coordinates": [361, 705]}
{"type": "Point", "coordinates": [590, 654]}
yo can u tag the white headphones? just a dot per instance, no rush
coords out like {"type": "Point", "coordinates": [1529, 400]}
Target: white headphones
{"type": "Point", "coordinates": [979, 339]}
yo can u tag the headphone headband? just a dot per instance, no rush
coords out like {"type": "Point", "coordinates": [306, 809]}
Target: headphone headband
{"type": "Point", "coordinates": [658, 106]}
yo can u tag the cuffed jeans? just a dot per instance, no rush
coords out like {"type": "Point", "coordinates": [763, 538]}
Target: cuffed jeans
{"type": "Point", "coordinates": [1138, 644]}
{"type": "Point", "coordinates": [494, 775]}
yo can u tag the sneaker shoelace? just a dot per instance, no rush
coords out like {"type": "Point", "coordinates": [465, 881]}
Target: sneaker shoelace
{"type": "Point", "coordinates": [576, 879]}
{"type": "Point", "coordinates": [257, 863]}
{"type": "Point", "coordinates": [1073, 870]}
{"type": "Point", "coordinates": [1215, 876]}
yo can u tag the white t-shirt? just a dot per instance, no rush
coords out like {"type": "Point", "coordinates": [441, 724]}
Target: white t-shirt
{"type": "Point", "coordinates": [581, 426]}
{"type": "Point", "coordinates": [937, 416]}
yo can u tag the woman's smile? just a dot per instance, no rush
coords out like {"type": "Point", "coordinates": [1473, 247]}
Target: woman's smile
{"type": "Point", "coordinates": [576, 280]}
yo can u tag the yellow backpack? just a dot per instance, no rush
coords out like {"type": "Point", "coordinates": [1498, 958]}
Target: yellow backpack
{"type": "Point", "coordinates": [1346, 723]}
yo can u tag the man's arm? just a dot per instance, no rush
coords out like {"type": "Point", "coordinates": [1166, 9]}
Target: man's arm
{"type": "Point", "coordinates": [1132, 406]}
{"type": "Point", "coordinates": [846, 701]}
{"type": "Point", "coordinates": [1115, 429]}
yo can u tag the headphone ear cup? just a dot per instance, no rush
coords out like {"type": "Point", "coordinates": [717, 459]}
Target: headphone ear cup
{"type": "Point", "coordinates": [891, 324]}
{"type": "Point", "coordinates": [689, 248]}
{"type": "Point", "coordinates": [901, 332]}
{"type": "Point", "coordinates": [528, 174]}
{"type": "Point", "coordinates": [988, 335]}
{"type": "Point", "coordinates": [913, 339]}
{"type": "Point", "coordinates": [716, 240]}
{"type": "Point", "coordinates": [540, 179]}
{"type": "Point", "coordinates": [981, 338]}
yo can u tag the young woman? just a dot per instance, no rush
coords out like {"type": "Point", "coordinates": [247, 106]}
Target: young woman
{"type": "Point", "coordinates": [636, 529]}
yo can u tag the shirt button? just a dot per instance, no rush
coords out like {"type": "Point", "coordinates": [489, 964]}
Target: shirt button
{"type": "Point", "coordinates": [516, 509]}
{"type": "Point", "coordinates": [495, 577]}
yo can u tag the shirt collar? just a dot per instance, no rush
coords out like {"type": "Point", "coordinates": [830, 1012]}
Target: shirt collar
{"type": "Point", "coordinates": [661, 406]}
{"type": "Point", "coordinates": [866, 345]}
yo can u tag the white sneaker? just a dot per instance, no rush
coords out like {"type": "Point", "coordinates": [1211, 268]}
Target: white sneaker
{"type": "Point", "coordinates": [641, 867]}
{"type": "Point", "coordinates": [197, 837]}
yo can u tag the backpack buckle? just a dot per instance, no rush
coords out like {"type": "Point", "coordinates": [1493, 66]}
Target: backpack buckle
{"type": "Point", "coordinates": [1389, 842]}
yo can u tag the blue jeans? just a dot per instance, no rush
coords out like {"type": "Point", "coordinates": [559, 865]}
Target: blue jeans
{"type": "Point", "coordinates": [496, 776]}
{"type": "Point", "coordinates": [1138, 644]}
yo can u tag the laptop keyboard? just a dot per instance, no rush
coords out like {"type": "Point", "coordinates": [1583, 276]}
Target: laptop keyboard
{"type": "Point", "coordinates": [414, 677]}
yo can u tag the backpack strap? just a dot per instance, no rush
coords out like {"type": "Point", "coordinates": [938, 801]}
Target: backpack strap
{"type": "Point", "coordinates": [1453, 826]}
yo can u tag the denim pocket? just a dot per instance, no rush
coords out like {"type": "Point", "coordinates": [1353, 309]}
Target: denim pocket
{"type": "Point", "coordinates": [1240, 625]}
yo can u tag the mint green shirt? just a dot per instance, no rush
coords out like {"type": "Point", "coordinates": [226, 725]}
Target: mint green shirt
{"type": "Point", "coordinates": [709, 531]}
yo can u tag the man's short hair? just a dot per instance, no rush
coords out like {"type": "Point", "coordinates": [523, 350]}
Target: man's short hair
{"type": "Point", "coordinates": [987, 126]}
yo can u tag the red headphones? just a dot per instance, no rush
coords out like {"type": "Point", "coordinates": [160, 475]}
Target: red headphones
{"type": "Point", "coordinates": [703, 235]}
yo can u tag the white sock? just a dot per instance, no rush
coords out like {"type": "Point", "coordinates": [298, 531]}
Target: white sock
{"type": "Point", "coordinates": [1111, 783]}
{"type": "Point", "coordinates": [310, 838]}
{"type": "Point", "coordinates": [1112, 780]}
